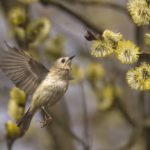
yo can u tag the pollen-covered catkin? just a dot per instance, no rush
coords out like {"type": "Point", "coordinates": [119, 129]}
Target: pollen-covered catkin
{"type": "Point", "coordinates": [139, 11]}
{"type": "Point", "coordinates": [127, 52]}
{"type": "Point", "coordinates": [139, 78]}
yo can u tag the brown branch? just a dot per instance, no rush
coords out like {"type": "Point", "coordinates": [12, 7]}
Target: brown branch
{"type": "Point", "coordinates": [144, 56]}
{"type": "Point", "coordinates": [85, 118]}
{"type": "Point", "coordinates": [59, 129]}
{"type": "Point", "coordinates": [100, 4]}
{"type": "Point", "coordinates": [147, 137]}
{"type": "Point", "coordinates": [132, 139]}
{"type": "Point", "coordinates": [64, 8]}
{"type": "Point", "coordinates": [124, 112]}
{"type": "Point", "coordinates": [68, 131]}
{"type": "Point", "coordinates": [145, 53]}
{"type": "Point", "coordinates": [139, 35]}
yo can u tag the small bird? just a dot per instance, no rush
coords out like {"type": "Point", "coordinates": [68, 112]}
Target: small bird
{"type": "Point", "coordinates": [45, 86]}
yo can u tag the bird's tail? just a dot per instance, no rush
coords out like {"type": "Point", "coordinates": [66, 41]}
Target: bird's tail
{"type": "Point", "coordinates": [25, 121]}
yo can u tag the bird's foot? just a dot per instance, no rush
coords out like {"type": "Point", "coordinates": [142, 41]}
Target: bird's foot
{"type": "Point", "coordinates": [46, 121]}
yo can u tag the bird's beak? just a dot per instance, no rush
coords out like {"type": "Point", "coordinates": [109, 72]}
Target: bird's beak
{"type": "Point", "coordinates": [69, 62]}
{"type": "Point", "coordinates": [70, 58]}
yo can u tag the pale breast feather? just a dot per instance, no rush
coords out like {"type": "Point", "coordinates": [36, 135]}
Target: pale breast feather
{"type": "Point", "coordinates": [58, 84]}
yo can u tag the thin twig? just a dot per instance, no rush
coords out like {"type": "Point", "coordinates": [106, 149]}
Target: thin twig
{"type": "Point", "coordinates": [132, 139]}
{"type": "Point", "coordinates": [147, 53]}
{"type": "Point", "coordinates": [84, 21]}
{"type": "Point", "coordinates": [73, 135]}
{"type": "Point", "coordinates": [139, 36]}
{"type": "Point", "coordinates": [85, 117]}
{"type": "Point", "coordinates": [100, 4]}
{"type": "Point", "coordinates": [125, 113]}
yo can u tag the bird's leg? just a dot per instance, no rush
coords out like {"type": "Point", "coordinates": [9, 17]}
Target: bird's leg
{"type": "Point", "coordinates": [47, 117]}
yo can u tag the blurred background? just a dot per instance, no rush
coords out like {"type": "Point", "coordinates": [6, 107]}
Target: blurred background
{"type": "Point", "coordinates": [99, 111]}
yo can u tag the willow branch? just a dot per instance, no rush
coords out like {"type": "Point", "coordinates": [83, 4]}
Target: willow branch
{"type": "Point", "coordinates": [81, 19]}
{"type": "Point", "coordinates": [100, 4]}
{"type": "Point", "coordinates": [125, 113]}
{"type": "Point", "coordinates": [139, 35]}
{"type": "Point", "coordinates": [85, 117]}
{"type": "Point", "coordinates": [132, 139]}
{"type": "Point", "coordinates": [65, 128]}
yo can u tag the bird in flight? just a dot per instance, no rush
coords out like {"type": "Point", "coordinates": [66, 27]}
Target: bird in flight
{"type": "Point", "coordinates": [46, 86]}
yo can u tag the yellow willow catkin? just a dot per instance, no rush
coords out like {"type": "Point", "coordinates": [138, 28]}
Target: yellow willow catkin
{"type": "Point", "coordinates": [139, 78]}
{"type": "Point", "coordinates": [101, 48]}
{"type": "Point", "coordinates": [139, 11]}
{"type": "Point", "coordinates": [127, 52]}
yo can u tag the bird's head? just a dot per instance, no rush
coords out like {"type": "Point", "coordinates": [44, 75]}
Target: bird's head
{"type": "Point", "coordinates": [64, 63]}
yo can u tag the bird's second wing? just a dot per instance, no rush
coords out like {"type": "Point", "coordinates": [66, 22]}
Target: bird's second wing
{"type": "Point", "coordinates": [22, 69]}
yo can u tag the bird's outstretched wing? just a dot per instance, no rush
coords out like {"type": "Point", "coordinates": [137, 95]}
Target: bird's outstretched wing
{"type": "Point", "coordinates": [22, 69]}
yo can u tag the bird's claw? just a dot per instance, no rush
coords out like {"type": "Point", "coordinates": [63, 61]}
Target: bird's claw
{"type": "Point", "coordinates": [46, 121]}
{"type": "Point", "coordinates": [44, 124]}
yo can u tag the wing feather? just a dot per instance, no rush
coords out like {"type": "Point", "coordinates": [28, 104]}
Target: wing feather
{"type": "Point", "coordinates": [22, 69]}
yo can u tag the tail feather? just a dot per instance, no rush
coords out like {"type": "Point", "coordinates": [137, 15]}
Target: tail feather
{"type": "Point", "coordinates": [25, 121]}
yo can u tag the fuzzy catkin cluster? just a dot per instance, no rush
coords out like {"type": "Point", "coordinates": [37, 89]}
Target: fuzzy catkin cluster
{"type": "Point", "coordinates": [16, 107]}
{"type": "Point", "coordinates": [139, 77]}
{"type": "Point", "coordinates": [125, 51]}
{"type": "Point", "coordinates": [139, 11]}
{"type": "Point", "coordinates": [34, 32]}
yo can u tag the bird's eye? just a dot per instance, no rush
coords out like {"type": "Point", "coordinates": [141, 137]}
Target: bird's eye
{"type": "Point", "coordinates": [63, 60]}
